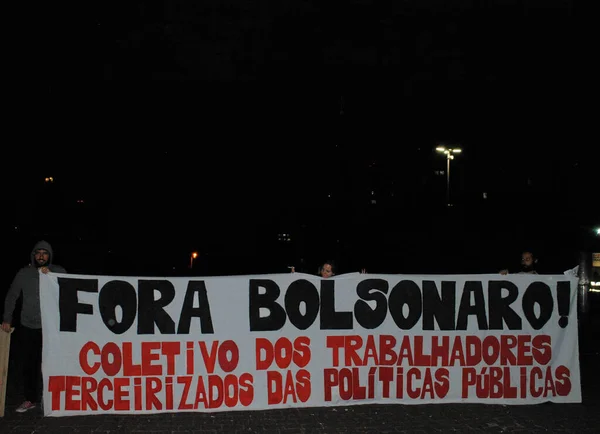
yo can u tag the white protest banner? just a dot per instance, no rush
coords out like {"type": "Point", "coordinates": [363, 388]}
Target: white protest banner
{"type": "Point", "coordinates": [139, 345]}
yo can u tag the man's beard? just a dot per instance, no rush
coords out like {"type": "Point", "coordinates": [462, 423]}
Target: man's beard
{"type": "Point", "coordinates": [40, 264]}
{"type": "Point", "coordinates": [527, 268]}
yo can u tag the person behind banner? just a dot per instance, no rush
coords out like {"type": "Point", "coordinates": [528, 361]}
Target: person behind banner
{"type": "Point", "coordinates": [27, 283]}
{"type": "Point", "coordinates": [327, 269]}
{"type": "Point", "coordinates": [528, 264]}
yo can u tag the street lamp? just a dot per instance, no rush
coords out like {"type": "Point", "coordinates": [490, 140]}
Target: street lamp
{"type": "Point", "coordinates": [193, 256]}
{"type": "Point", "coordinates": [449, 156]}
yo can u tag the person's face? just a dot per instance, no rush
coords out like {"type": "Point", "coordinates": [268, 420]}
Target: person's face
{"type": "Point", "coordinates": [326, 271]}
{"type": "Point", "coordinates": [41, 257]}
{"type": "Point", "coordinates": [527, 260]}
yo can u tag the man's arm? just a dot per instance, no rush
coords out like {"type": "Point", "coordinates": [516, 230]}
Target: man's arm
{"type": "Point", "coordinates": [53, 268]}
{"type": "Point", "coordinates": [11, 300]}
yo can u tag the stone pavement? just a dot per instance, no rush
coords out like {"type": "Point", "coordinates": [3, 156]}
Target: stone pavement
{"type": "Point", "coordinates": [427, 418]}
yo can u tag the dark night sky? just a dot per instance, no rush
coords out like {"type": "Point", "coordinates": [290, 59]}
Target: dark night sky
{"type": "Point", "coordinates": [218, 123]}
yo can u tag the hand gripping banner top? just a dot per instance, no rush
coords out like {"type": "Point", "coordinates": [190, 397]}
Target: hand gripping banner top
{"type": "Point", "coordinates": [135, 345]}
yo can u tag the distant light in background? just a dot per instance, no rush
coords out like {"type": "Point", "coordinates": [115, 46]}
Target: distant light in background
{"type": "Point", "coordinates": [49, 179]}
{"type": "Point", "coordinates": [597, 231]}
{"type": "Point", "coordinates": [449, 156]}
{"type": "Point", "coordinates": [193, 256]}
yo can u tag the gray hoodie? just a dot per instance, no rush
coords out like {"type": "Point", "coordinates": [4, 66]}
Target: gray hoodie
{"type": "Point", "coordinates": [27, 281]}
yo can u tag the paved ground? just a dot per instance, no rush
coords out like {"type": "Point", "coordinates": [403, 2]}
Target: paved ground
{"type": "Point", "coordinates": [432, 418]}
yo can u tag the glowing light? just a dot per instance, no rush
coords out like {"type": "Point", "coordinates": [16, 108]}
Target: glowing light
{"type": "Point", "coordinates": [193, 256]}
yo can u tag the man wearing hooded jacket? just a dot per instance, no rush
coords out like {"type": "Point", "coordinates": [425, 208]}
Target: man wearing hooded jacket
{"type": "Point", "coordinates": [27, 283]}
